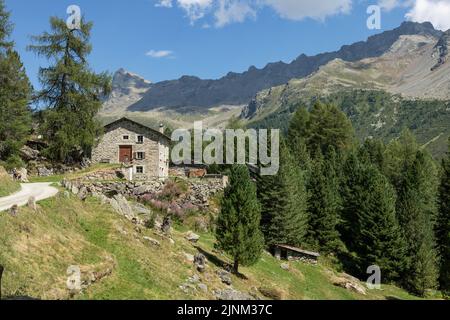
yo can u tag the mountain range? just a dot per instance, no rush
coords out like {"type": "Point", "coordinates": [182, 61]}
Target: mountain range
{"type": "Point", "coordinates": [409, 62]}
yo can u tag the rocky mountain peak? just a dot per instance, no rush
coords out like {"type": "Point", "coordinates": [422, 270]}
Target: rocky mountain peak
{"type": "Point", "coordinates": [441, 50]}
{"type": "Point", "coordinates": [124, 79]}
{"type": "Point", "coordinates": [127, 88]}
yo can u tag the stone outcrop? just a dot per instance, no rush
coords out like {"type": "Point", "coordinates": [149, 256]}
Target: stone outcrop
{"type": "Point", "coordinates": [192, 237]}
{"type": "Point", "coordinates": [232, 295]}
{"type": "Point", "coordinates": [348, 282]}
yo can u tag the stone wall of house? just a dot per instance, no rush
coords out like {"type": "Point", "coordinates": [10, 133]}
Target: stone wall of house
{"type": "Point", "coordinates": [155, 147]}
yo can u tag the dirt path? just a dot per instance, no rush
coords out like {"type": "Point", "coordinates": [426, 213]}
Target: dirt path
{"type": "Point", "coordinates": [39, 191]}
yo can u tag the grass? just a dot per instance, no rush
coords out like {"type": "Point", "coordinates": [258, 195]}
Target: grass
{"type": "Point", "coordinates": [7, 185]}
{"type": "Point", "coordinates": [36, 249]}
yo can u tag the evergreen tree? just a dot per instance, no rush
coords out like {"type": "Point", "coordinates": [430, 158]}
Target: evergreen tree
{"type": "Point", "coordinates": [416, 210]}
{"type": "Point", "coordinates": [5, 28]}
{"type": "Point", "coordinates": [238, 227]}
{"type": "Point", "coordinates": [284, 203]}
{"type": "Point", "coordinates": [372, 231]}
{"type": "Point", "coordinates": [324, 205]}
{"type": "Point", "coordinates": [15, 91]}
{"type": "Point", "coordinates": [443, 226]}
{"type": "Point", "coordinates": [71, 91]}
{"type": "Point", "coordinates": [400, 154]}
{"type": "Point", "coordinates": [373, 152]}
{"type": "Point", "coordinates": [298, 126]}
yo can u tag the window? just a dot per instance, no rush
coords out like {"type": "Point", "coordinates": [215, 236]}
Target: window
{"type": "Point", "coordinates": [140, 139]}
{"type": "Point", "coordinates": [139, 169]}
{"type": "Point", "coordinates": [126, 137]}
{"type": "Point", "coordinates": [140, 155]}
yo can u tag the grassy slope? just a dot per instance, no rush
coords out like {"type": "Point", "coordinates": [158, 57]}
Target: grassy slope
{"type": "Point", "coordinates": [7, 185]}
{"type": "Point", "coordinates": [37, 248]}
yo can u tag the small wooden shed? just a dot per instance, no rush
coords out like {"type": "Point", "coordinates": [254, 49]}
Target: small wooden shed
{"type": "Point", "coordinates": [285, 252]}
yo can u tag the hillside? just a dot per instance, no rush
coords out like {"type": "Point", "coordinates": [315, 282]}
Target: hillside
{"type": "Point", "coordinates": [117, 262]}
{"type": "Point", "coordinates": [377, 114]}
{"type": "Point", "coordinates": [7, 185]}
{"type": "Point", "coordinates": [413, 77]}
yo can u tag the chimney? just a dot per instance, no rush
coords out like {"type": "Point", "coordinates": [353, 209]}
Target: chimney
{"type": "Point", "coordinates": [161, 128]}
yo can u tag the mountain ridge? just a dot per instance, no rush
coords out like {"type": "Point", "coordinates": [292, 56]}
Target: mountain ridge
{"type": "Point", "coordinates": [240, 88]}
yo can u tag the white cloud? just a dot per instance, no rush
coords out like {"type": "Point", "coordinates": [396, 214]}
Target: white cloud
{"type": "Point", "coordinates": [164, 3]}
{"type": "Point", "coordinates": [435, 11]}
{"type": "Point", "coordinates": [230, 11]}
{"type": "Point", "coordinates": [220, 13]}
{"type": "Point", "coordinates": [159, 54]}
{"type": "Point", "coordinates": [225, 12]}
{"type": "Point", "coordinates": [195, 9]}
{"type": "Point", "coordinates": [388, 5]}
{"type": "Point", "coordinates": [317, 9]}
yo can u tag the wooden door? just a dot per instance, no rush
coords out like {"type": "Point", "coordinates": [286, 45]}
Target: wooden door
{"type": "Point", "coordinates": [125, 154]}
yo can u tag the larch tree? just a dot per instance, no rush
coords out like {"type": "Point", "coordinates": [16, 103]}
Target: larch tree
{"type": "Point", "coordinates": [71, 92]}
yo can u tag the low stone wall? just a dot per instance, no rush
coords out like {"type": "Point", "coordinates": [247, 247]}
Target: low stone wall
{"type": "Point", "coordinates": [198, 194]}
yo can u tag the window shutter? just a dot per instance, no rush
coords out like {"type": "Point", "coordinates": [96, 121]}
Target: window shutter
{"type": "Point", "coordinates": [134, 155]}
{"type": "Point", "coordinates": [143, 155]}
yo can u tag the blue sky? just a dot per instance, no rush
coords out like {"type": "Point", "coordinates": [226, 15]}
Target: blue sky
{"type": "Point", "coordinates": [165, 39]}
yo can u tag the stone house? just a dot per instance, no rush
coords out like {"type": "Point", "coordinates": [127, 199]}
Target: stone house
{"type": "Point", "coordinates": [143, 150]}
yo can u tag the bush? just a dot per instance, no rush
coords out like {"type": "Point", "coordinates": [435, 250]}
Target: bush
{"type": "Point", "coordinates": [13, 162]}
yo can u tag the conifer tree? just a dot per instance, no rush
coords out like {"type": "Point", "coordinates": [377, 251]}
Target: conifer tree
{"type": "Point", "coordinates": [373, 152]}
{"type": "Point", "coordinates": [238, 227]}
{"type": "Point", "coordinates": [443, 225]}
{"type": "Point", "coordinates": [417, 211]}
{"type": "Point", "coordinates": [15, 91]}
{"type": "Point", "coordinates": [324, 126]}
{"type": "Point", "coordinates": [284, 203]}
{"type": "Point", "coordinates": [372, 231]}
{"type": "Point", "coordinates": [5, 28]}
{"type": "Point", "coordinates": [324, 205]}
{"type": "Point", "coordinates": [71, 91]}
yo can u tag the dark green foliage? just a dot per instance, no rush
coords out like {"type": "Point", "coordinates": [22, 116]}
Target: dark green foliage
{"type": "Point", "coordinates": [238, 226]}
{"type": "Point", "coordinates": [284, 203]}
{"type": "Point", "coordinates": [371, 230]}
{"type": "Point", "coordinates": [443, 225]}
{"type": "Point", "coordinates": [323, 127]}
{"type": "Point", "coordinates": [417, 210]}
{"type": "Point", "coordinates": [373, 152]}
{"type": "Point", "coordinates": [71, 91]}
{"type": "Point", "coordinates": [324, 205]}
{"type": "Point", "coordinates": [380, 115]}
{"type": "Point", "coordinates": [15, 91]}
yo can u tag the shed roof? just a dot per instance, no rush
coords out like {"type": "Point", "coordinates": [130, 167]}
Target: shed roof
{"type": "Point", "coordinates": [138, 124]}
{"type": "Point", "coordinates": [309, 253]}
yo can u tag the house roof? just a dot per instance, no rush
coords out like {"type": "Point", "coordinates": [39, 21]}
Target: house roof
{"type": "Point", "coordinates": [138, 124]}
{"type": "Point", "coordinates": [308, 253]}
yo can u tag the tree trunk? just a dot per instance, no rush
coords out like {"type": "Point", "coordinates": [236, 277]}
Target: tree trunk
{"type": "Point", "coordinates": [236, 266]}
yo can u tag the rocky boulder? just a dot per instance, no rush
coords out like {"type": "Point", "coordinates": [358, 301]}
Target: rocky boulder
{"type": "Point", "coordinates": [348, 282]}
{"type": "Point", "coordinates": [192, 237]}
{"type": "Point", "coordinates": [200, 262]}
{"type": "Point", "coordinates": [232, 295]}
